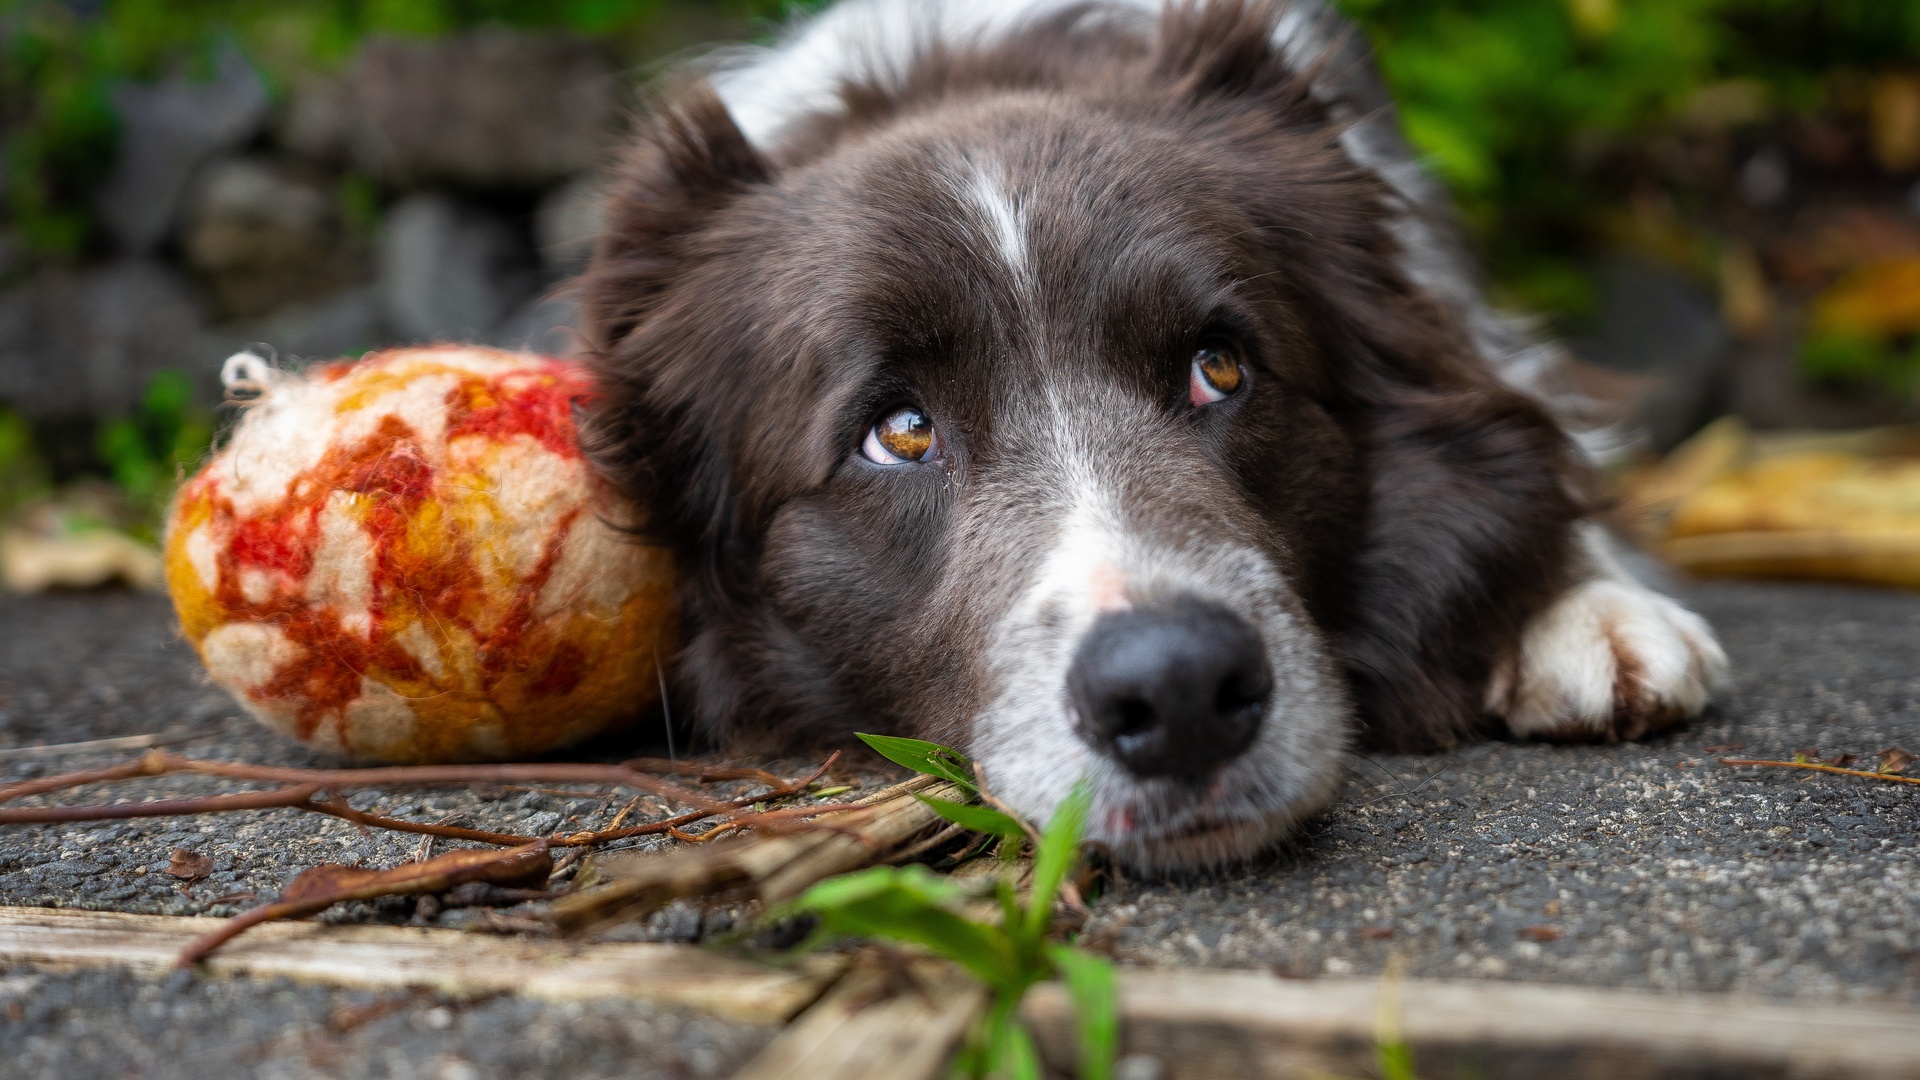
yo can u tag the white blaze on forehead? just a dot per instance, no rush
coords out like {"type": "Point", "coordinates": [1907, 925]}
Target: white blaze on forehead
{"type": "Point", "coordinates": [1005, 221]}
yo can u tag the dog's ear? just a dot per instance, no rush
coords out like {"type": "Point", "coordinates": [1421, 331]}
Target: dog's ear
{"type": "Point", "coordinates": [1473, 492]}
{"type": "Point", "coordinates": [1472, 501]}
{"type": "Point", "coordinates": [689, 160]}
{"type": "Point", "coordinates": [1227, 48]}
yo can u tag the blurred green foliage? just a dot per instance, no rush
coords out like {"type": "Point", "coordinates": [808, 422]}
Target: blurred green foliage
{"type": "Point", "coordinates": [1536, 113]}
{"type": "Point", "coordinates": [1521, 106]}
{"type": "Point", "coordinates": [59, 60]}
{"type": "Point", "coordinates": [1853, 358]}
{"type": "Point", "coordinates": [23, 476]}
{"type": "Point", "coordinates": [148, 452]}
{"type": "Point", "coordinates": [1517, 104]}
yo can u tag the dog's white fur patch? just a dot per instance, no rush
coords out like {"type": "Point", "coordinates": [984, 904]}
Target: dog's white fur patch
{"type": "Point", "coordinates": [768, 90]}
{"type": "Point", "coordinates": [1099, 560]}
{"type": "Point", "coordinates": [1005, 222]}
{"type": "Point", "coordinates": [1610, 658]}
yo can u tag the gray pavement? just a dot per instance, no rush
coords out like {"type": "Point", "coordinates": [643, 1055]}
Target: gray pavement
{"type": "Point", "coordinates": [106, 1023]}
{"type": "Point", "coordinates": [1642, 865]}
{"type": "Point", "coordinates": [1646, 865]}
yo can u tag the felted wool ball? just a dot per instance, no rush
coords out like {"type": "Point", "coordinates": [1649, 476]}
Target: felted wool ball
{"type": "Point", "coordinates": [406, 558]}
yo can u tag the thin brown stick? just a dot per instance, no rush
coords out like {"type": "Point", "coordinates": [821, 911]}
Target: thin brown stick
{"type": "Point", "coordinates": [160, 762]}
{"type": "Point", "coordinates": [1814, 766]}
{"type": "Point", "coordinates": [702, 773]}
{"type": "Point", "coordinates": [714, 833]}
{"type": "Point", "coordinates": [91, 746]}
{"type": "Point", "coordinates": [559, 793]}
{"type": "Point", "coordinates": [624, 811]}
{"type": "Point", "coordinates": [301, 797]}
{"type": "Point", "coordinates": [321, 887]}
{"type": "Point", "coordinates": [909, 854]}
{"type": "Point", "coordinates": [288, 797]}
{"type": "Point", "coordinates": [338, 808]}
{"type": "Point", "coordinates": [111, 773]}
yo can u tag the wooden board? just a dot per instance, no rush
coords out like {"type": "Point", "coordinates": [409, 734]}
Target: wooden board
{"type": "Point", "coordinates": [1200, 1025]}
{"type": "Point", "coordinates": [446, 960]}
{"type": "Point", "coordinates": [876, 1024]}
{"type": "Point", "coordinates": [1220, 1024]}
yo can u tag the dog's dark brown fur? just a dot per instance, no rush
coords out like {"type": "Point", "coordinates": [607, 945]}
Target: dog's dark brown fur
{"type": "Point", "coordinates": [750, 316]}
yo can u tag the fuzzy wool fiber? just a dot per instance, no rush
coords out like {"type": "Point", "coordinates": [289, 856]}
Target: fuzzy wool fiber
{"type": "Point", "coordinates": [406, 559]}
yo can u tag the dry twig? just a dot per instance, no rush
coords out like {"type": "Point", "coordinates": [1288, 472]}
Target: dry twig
{"type": "Point", "coordinates": [160, 763]}
{"type": "Point", "coordinates": [321, 887]}
{"type": "Point", "coordinates": [304, 797]}
{"type": "Point", "coordinates": [1815, 766]}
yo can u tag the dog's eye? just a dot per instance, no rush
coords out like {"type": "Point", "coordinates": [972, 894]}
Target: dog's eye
{"type": "Point", "coordinates": [1215, 375]}
{"type": "Point", "coordinates": [903, 435]}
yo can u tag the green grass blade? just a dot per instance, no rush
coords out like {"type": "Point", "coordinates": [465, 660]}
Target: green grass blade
{"type": "Point", "coordinates": [1010, 1051]}
{"type": "Point", "coordinates": [1059, 846]}
{"type": "Point", "coordinates": [980, 819]}
{"type": "Point", "coordinates": [910, 904]}
{"type": "Point", "coordinates": [1394, 1060]}
{"type": "Point", "coordinates": [1096, 1007]}
{"type": "Point", "coordinates": [925, 757]}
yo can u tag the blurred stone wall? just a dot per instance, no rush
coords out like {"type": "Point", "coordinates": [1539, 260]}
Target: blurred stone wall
{"type": "Point", "coordinates": [432, 190]}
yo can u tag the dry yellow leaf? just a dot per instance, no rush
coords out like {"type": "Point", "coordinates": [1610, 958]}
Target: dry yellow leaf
{"type": "Point", "coordinates": [1894, 122]}
{"type": "Point", "coordinates": [1880, 299]}
{"type": "Point", "coordinates": [1840, 505]}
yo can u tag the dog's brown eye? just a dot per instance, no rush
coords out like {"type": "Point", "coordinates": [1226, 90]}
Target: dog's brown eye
{"type": "Point", "coordinates": [901, 436]}
{"type": "Point", "coordinates": [1216, 375]}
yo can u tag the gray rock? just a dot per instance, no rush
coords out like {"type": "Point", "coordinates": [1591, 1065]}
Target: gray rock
{"type": "Point", "coordinates": [89, 342]}
{"type": "Point", "coordinates": [491, 108]}
{"type": "Point", "coordinates": [167, 131]}
{"type": "Point", "coordinates": [544, 324]}
{"type": "Point", "coordinates": [317, 123]}
{"type": "Point", "coordinates": [567, 224]}
{"type": "Point", "coordinates": [264, 236]}
{"type": "Point", "coordinates": [449, 271]}
{"type": "Point", "coordinates": [1660, 326]}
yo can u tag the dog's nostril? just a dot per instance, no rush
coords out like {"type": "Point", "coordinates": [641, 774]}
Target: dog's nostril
{"type": "Point", "coordinates": [1242, 689]}
{"type": "Point", "coordinates": [1132, 717]}
{"type": "Point", "coordinates": [1174, 691]}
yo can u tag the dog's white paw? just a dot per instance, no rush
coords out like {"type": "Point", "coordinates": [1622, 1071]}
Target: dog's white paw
{"type": "Point", "coordinates": [1609, 660]}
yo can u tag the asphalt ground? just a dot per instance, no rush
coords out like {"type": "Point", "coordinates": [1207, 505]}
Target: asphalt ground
{"type": "Point", "coordinates": [1646, 865]}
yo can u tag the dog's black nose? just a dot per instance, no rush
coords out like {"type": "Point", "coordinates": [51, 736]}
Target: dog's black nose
{"type": "Point", "coordinates": [1173, 691]}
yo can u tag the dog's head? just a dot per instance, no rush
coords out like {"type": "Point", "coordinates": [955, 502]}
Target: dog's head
{"type": "Point", "coordinates": [1031, 406]}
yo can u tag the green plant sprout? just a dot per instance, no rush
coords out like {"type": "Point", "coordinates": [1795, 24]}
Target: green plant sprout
{"type": "Point", "coordinates": [913, 905]}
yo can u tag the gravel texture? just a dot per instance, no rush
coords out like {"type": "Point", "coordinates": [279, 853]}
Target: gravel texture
{"type": "Point", "coordinates": [1645, 865]}
{"type": "Point", "coordinates": [108, 1023]}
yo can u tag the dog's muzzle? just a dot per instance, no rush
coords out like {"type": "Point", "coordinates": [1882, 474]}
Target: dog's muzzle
{"type": "Point", "coordinates": [1174, 691]}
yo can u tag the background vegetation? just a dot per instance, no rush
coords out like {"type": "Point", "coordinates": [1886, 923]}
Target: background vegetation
{"type": "Point", "coordinates": [1566, 129]}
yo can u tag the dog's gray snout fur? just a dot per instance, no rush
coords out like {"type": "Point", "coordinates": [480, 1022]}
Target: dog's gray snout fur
{"type": "Point", "coordinates": [1172, 691]}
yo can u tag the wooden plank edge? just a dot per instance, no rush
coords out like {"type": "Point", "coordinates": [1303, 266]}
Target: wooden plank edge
{"type": "Point", "coordinates": [1199, 1024]}
{"type": "Point", "coordinates": [449, 961]}
{"type": "Point", "coordinates": [879, 1022]}
{"type": "Point", "coordinates": [1219, 1024]}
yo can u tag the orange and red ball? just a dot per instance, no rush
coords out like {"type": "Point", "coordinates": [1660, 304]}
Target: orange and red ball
{"type": "Point", "coordinates": [406, 558]}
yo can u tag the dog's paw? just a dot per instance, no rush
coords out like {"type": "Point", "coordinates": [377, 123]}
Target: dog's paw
{"type": "Point", "coordinates": [1609, 660]}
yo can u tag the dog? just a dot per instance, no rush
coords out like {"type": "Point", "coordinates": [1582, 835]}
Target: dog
{"type": "Point", "coordinates": [1100, 389]}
